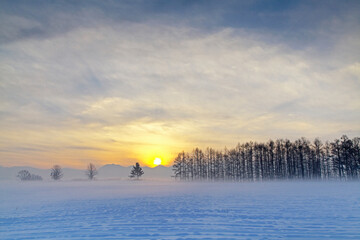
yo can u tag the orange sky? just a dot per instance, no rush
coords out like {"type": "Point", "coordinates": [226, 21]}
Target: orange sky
{"type": "Point", "coordinates": [129, 83]}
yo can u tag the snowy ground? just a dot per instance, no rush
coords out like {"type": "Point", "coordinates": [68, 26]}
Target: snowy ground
{"type": "Point", "coordinates": [178, 210]}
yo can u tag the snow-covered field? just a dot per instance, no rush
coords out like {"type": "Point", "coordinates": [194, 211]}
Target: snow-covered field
{"type": "Point", "coordinates": [179, 210]}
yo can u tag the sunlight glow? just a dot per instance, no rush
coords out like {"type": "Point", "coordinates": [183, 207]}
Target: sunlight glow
{"type": "Point", "coordinates": [157, 161]}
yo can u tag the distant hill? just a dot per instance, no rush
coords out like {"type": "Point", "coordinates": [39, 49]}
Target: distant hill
{"type": "Point", "coordinates": [109, 171]}
{"type": "Point", "coordinates": [158, 172]}
{"type": "Point", "coordinates": [118, 171]}
{"type": "Point", "coordinates": [113, 171]}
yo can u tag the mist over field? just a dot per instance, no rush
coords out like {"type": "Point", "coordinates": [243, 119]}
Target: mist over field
{"type": "Point", "coordinates": [180, 119]}
{"type": "Point", "coordinates": [179, 210]}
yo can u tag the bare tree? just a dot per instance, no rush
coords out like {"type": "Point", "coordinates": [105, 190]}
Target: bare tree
{"type": "Point", "coordinates": [91, 171]}
{"type": "Point", "coordinates": [279, 159]}
{"type": "Point", "coordinates": [36, 177]}
{"type": "Point", "coordinates": [136, 171]}
{"type": "Point", "coordinates": [24, 175]}
{"type": "Point", "coordinates": [56, 173]}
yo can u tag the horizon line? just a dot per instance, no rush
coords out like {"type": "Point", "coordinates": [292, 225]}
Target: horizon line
{"type": "Point", "coordinates": [24, 166]}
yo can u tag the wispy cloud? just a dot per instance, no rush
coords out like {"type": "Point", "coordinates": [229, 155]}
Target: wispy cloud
{"type": "Point", "coordinates": [102, 80]}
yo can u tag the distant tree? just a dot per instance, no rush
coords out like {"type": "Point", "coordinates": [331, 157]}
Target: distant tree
{"type": "Point", "coordinates": [36, 177]}
{"type": "Point", "coordinates": [279, 159]}
{"type": "Point", "coordinates": [91, 171]}
{"type": "Point", "coordinates": [56, 173]}
{"type": "Point", "coordinates": [25, 175]}
{"type": "Point", "coordinates": [179, 166]}
{"type": "Point", "coordinates": [136, 171]}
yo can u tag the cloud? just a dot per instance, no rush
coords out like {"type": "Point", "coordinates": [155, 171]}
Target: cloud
{"type": "Point", "coordinates": [153, 83]}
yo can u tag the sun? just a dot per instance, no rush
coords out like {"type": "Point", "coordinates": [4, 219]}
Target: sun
{"type": "Point", "coordinates": [157, 161]}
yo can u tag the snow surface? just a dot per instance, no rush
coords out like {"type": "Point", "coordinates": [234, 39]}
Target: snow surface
{"type": "Point", "coordinates": [179, 210]}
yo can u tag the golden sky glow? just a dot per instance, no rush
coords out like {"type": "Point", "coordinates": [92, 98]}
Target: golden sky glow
{"type": "Point", "coordinates": [131, 85]}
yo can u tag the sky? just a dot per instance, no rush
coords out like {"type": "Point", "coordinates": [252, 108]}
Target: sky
{"type": "Point", "coordinates": [130, 81]}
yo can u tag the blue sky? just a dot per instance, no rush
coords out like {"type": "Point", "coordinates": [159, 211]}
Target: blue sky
{"type": "Point", "coordinates": [125, 81]}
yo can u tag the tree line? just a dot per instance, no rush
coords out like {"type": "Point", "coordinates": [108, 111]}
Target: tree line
{"type": "Point", "coordinates": [279, 159]}
{"type": "Point", "coordinates": [56, 173]}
